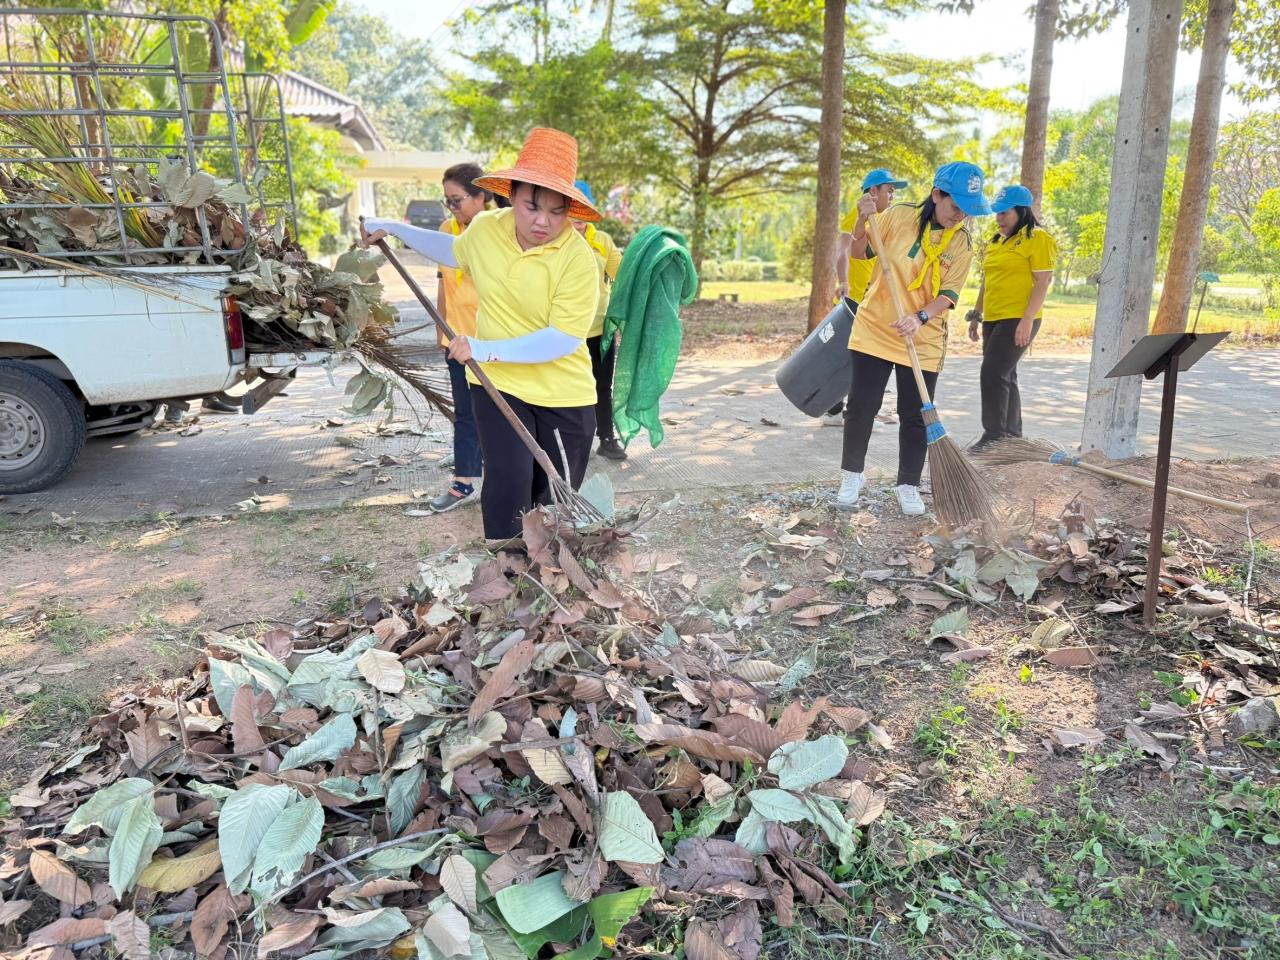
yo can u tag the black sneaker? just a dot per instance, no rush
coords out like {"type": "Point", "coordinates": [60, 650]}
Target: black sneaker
{"type": "Point", "coordinates": [611, 449]}
{"type": "Point", "coordinates": [218, 405]}
{"type": "Point", "coordinates": [457, 495]}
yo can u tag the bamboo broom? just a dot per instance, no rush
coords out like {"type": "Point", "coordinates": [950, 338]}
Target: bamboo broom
{"type": "Point", "coordinates": [961, 494]}
{"type": "Point", "coordinates": [1022, 450]}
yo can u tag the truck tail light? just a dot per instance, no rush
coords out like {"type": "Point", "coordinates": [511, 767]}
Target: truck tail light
{"type": "Point", "coordinates": [234, 323]}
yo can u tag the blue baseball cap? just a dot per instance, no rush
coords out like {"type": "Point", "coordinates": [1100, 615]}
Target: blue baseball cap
{"type": "Point", "coordinates": [586, 191]}
{"type": "Point", "coordinates": [964, 182]}
{"type": "Point", "coordinates": [880, 176]}
{"type": "Point", "coordinates": [1012, 196]}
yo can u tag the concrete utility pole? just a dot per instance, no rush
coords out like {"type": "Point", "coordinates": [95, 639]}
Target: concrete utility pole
{"type": "Point", "coordinates": [1133, 223]}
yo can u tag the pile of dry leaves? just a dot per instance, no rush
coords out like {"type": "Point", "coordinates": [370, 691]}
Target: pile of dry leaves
{"type": "Point", "coordinates": [288, 302]}
{"type": "Point", "coordinates": [517, 756]}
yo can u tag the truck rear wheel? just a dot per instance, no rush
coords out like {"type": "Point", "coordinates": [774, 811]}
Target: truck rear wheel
{"type": "Point", "coordinates": [42, 428]}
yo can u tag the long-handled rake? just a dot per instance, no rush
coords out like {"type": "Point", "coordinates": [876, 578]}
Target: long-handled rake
{"type": "Point", "coordinates": [1025, 450]}
{"type": "Point", "coordinates": [961, 494]}
{"type": "Point", "coordinates": [577, 508]}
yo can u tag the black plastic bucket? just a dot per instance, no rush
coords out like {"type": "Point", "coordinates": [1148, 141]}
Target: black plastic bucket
{"type": "Point", "coordinates": [816, 377]}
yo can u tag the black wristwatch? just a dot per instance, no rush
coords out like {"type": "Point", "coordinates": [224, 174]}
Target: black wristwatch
{"type": "Point", "coordinates": [922, 316]}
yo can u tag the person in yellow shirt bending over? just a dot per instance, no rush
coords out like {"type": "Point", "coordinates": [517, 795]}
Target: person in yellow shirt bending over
{"type": "Point", "coordinates": [852, 275]}
{"type": "Point", "coordinates": [1016, 272]}
{"type": "Point", "coordinates": [537, 285]}
{"type": "Point", "coordinates": [928, 250]}
{"type": "Point", "coordinates": [609, 259]}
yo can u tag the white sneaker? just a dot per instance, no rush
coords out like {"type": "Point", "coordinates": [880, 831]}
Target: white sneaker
{"type": "Point", "coordinates": [909, 500]}
{"type": "Point", "coordinates": [850, 489]}
{"type": "Point", "coordinates": [833, 419]}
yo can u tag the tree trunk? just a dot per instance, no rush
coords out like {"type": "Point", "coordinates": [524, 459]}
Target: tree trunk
{"type": "Point", "coordinates": [1037, 126]}
{"type": "Point", "coordinates": [826, 226]}
{"type": "Point", "coordinates": [1193, 205]}
{"type": "Point", "coordinates": [1127, 273]}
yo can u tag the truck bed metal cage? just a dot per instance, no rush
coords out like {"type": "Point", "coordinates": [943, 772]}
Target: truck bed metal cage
{"type": "Point", "coordinates": [102, 97]}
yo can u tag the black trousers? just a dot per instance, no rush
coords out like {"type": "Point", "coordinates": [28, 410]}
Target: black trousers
{"type": "Point", "coordinates": [1001, 401]}
{"type": "Point", "coordinates": [513, 482]}
{"type": "Point", "coordinates": [866, 393]}
{"type": "Point", "coordinates": [602, 370]}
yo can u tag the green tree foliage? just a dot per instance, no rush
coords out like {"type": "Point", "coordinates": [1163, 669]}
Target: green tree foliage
{"type": "Point", "coordinates": [395, 79]}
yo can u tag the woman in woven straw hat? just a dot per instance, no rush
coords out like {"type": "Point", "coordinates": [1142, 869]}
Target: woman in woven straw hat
{"type": "Point", "coordinates": [537, 287]}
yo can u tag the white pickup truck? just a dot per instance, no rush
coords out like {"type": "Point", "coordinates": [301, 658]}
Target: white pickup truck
{"type": "Point", "coordinates": [94, 355]}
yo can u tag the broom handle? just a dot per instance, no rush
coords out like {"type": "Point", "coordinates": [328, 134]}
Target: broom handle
{"type": "Point", "coordinates": [899, 304]}
{"type": "Point", "coordinates": [1150, 485]}
{"type": "Point", "coordinates": [522, 432]}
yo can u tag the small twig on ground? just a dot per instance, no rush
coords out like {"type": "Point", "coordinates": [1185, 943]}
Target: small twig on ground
{"type": "Point", "coordinates": [159, 920]}
{"type": "Point", "coordinates": [1010, 919]}
{"type": "Point", "coordinates": [321, 871]}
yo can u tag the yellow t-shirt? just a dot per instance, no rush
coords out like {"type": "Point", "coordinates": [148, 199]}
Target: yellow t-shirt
{"type": "Point", "coordinates": [1007, 269]}
{"type": "Point", "coordinates": [859, 270]}
{"type": "Point", "coordinates": [523, 291]}
{"type": "Point", "coordinates": [608, 259]}
{"type": "Point", "coordinates": [460, 299]}
{"type": "Point", "coordinates": [873, 333]}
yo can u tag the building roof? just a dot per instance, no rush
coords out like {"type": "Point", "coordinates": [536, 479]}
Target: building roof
{"type": "Point", "coordinates": [304, 97]}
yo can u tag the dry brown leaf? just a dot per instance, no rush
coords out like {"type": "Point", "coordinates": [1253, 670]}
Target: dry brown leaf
{"type": "Point", "coordinates": [796, 597]}
{"type": "Point", "coordinates": [1087, 737]}
{"type": "Point", "coordinates": [502, 681]}
{"type": "Point", "coordinates": [214, 916]}
{"type": "Point", "coordinates": [700, 743]}
{"type": "Point", "coordinates": [816, 612]}
{"type": "Point", "coordinates": [1072, 657]}
{"type": "Point", "coordinates": [780, 891]}
{"type": "Point", "coordinates": [966, 655]}
{"type": "Point", "coordinates": [865, 805]}
{"type": "Point", "coordinates": [131, 935]}
{"type": "Point", "coordinates": [11, 910]}
{"type": "Point", "coordinates": [1147, 743]}
{"type": "Point", "coordinates": [66, 931]}
{"type": "Point", "coordinates": [924, 596]}
{"type": "Point", "coordinates": [175, 874]}
{"type": "Point", "coordinates": [881, 597]}
{"type": "Point", "coordinates": [458, 878]}
{"type": "Point", "coordinates": [758, 671]}
{"type": "Point", "coordinates": [292, 930]}
{"type": "Point", "coordinates": [382, 669]}
{"type": "Point", "coordinates": [702, 941]}
{"type": "Point", "coordinates": [58, 880]}
{"type": "Point", "coordinates": [244, 724]}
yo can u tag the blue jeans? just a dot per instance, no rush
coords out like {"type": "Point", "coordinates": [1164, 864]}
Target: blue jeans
{"type": "Point", "coordinates": [467, 459]}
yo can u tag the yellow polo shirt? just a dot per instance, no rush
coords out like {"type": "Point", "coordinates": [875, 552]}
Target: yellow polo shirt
{"type": "Point", "coordinates": [859, 270]}
{"type": "Point", "coordinates": [873, 333]}
{"type": "Point", "coordinates": [608, 259]}
{"type": "Point", "coordinates": [1008, 269]}
{"type": "Point", "coordinates": [460, 299]}
{"type": "Point", "coordinates": [521, 292]}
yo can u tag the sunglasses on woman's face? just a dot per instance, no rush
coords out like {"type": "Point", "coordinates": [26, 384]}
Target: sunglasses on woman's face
{"type": "Point", "coordinates": [454, 203]}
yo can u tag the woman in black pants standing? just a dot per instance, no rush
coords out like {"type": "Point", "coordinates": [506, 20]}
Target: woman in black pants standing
{"type": "Point", "coordinates": [1017, 271]}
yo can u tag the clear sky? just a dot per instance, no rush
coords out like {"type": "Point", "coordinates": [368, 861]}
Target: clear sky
{"type": "Point", "coordinates": [1083, 71]}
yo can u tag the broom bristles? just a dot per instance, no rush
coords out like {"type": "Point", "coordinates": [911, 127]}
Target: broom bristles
{"type": "Point", "coordinates": [961, 495]}
{"type": "Point", "coordinates": [1020, 450]}
{"type": "Point", "coordinates": [394, 359]}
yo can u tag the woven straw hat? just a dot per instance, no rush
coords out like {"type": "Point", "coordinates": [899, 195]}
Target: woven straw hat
{"type": "Point", "coordinates": [549, 158]}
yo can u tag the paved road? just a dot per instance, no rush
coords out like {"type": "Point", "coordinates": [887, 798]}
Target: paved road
{"type": "Point", "coordinates": [721, 432]}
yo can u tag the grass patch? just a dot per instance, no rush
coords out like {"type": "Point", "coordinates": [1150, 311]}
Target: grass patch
{"type": "Point", "coordinates": [69, 630]}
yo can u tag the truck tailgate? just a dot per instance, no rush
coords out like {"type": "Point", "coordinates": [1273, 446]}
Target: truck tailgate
{"type": "Point", "coordinates": [156, 332]}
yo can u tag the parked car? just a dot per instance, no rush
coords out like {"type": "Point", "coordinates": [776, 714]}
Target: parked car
{"type": "Point", "coordinates": [428, 214]}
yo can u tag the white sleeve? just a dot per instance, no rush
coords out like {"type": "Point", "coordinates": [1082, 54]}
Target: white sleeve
{"type": "Point", "coordinates": [432, 244]}
{"type": "Point", "coordinates": [541, 346]}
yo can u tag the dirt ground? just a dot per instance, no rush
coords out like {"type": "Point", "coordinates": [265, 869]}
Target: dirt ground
{"type": "Point", "coordinates": [1047, 852]}
{"type": "Point", "coordinates": [720, 330]}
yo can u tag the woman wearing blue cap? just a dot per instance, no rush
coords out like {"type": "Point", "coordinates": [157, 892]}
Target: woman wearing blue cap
{"type": "Point", "coordinates": [929, 251]}
{"type": "Point", "coordinates": [1017, 270]}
